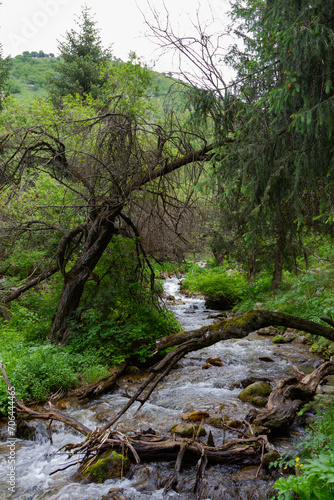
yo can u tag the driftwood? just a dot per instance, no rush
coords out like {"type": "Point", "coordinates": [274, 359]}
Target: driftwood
{"type": "Point", "coordinates": [286, 399]}
{"type": "Point", "coordinates": [280, 411]}
{"type": "Point", "coordinates": [104, 385]}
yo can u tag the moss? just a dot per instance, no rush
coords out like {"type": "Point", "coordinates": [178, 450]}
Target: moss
{"type": "Point", "coordinates": [110, 465]}
{"type": "Point", "coordinates": [187, 430]}
{"type": "Point", "coordinates": [256, 393]}
{"type": "Point", "coordinates": [279, 339]}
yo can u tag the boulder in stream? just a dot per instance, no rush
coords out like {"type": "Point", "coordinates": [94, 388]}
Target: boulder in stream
{"type": "Point", "coordinates": [110, 465]}
{"type": "Point", "coordinates": [195, 416]}
{"type": "Point", "coordinates": [215, 361]}
{"type": "Point", "coordinates": [256, 394]}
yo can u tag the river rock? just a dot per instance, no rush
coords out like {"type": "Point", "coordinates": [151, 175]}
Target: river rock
{"type": "Point", "coordinates": [269, 330]}
{"type": "Point", "coordinates": [109, 466]}
{"type": "Point", "coordinates": [187, 430]}
{"type": "Point", "coordinates": [256, 393]}
{"type": "Point", "coordinates": [195, 416]}
{"type": "Point", "coordinates": [266, 359]}
{"type": "Point", "coordinates": [219, 303]}
{"type": "Point", "coordinates": [206, 366]}
{"type": "Point", "coordinates": [170, 298]}
{"type": "Point", "coordinates": [218, 420]}
{"type": "Point", "coordinates": [235, 424]}
{"type": "Point", "coordinates": [279, 339]}
{"type": "Point", "coordinates": [32, 431]}
{"type": "Point", "coordinates": [114, 494]}
{"type": "Point", "coordinates": [269, 458]}
{"type": "Point", "coordinates": [215, 361]}
{"type": "Point", "coordinates": [103, 416]}
{"type": "Point", "coordinates": [251, 380]}
{"type": "Point", "coordinates": [247, 474]}
{"type": "Point", "coordinates": [146, 479]}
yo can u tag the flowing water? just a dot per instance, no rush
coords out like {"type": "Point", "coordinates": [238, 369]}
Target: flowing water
{"type": "Point", "coordinates": [188, 387]}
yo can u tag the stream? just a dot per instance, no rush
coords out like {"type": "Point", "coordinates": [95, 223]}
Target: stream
{"type": "Point", "coordinates": [188, 387]}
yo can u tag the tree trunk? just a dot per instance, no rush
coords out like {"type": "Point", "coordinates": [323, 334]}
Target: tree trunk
{"type": "Point", "coordinates": [75, 280]}
{"type": "Point", "coordinates": [278, 270]}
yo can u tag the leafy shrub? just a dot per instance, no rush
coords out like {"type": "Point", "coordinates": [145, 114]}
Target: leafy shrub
{"type": "Point", "coordinates": [215, 282]}
{"type": "Point", "coordinates": [314, 464]}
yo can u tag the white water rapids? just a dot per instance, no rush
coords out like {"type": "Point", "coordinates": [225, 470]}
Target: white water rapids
{"type": "Point", "coordinates": [188, 387]}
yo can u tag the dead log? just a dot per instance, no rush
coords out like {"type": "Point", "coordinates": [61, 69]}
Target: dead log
{"type": "Point", "coordinates": [287, 398]}
{"type": "Point", "coordinates": [104, 385]}
{"type": "Point", "coordinates": [240, 326]}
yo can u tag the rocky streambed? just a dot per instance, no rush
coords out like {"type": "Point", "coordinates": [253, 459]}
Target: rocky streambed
{"type": "Point", "coordinates": [209, 381]}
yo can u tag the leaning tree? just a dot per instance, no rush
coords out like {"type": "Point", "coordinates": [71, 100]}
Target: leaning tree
{"type": "Point", "coordinates": [104, 165]}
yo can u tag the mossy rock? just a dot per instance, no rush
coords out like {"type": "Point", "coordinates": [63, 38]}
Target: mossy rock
{"type": "Point", "coordinates": [256, 393]}
{"type": "Point", "coordinates": [187, 430]}
{"type": "Point", "coordinates": [269, 458]}
{"type": "Point", "coordinates": [109, 466]}
{"type": "Point", "coordinates": [195, 416]}
{"type": "Point", "coordinates": [279, 339]}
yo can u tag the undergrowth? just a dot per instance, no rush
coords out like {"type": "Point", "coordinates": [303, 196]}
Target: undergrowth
{"type": "Point", "coordinates": [313, 463]}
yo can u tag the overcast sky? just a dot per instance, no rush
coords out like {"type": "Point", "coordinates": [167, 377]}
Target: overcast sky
{"type": "Point", "coordinates": [35, 25]}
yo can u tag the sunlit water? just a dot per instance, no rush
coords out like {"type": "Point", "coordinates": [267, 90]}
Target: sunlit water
{"type": "Point", "coordinates": [188, 387]}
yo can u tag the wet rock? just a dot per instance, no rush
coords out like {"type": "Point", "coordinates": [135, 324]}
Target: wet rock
{"type": "Point", "coordinates": [251, 380]}
{"type": "Point", "coordinates": [195, 416]}
{"type": "Point", "coordinates": [170, 298]}
{"type": "Point", "coordinates": [269, 458]}
{"type": "Point", "coordinates": [290, 337]}
{"type": "Point", "coordinates": [247, 474]}
{"type": "Point", "coordinates": [256, 393]}
{"type": "Point", "coordinates": [133, 370]}
{"type": "Point", "coordinates": [235, 424]}
{"type": "Point", "coordinates": [146, 479]}
{"type": "Point", "coordinates": [266, 359]}
{"type": "Point", "coordinates": [279, 339]}
{"type": "Point", "coordinates": [63, 405]}
{"type": "Point", "coordinates": [109, 466]}
{"type": "Point", "coordinates": [187, 430]}
{"type": "Point", "coordinates": [219, 303]}
{"type": "Point", "coordinates": [215, 361]}
{"type": "Point", "coordinates": [218, 420]}
{"type": "Point", "coordinates": [103, 416]}
{"type": "Point", "coordinates": [31, 432]}
{"type": "Point", "coordinates": [191, 309]}
{"type": "Point", "coordinates": [210, 442]}
{"type": "Point", "coordinates": [269, 330]}
{"type": "Point", "coordinates": [206, 366]}
{"type": "Point", "coordinates": [26, 431]}
{"type": "Point", "coordinates": [114, 494]}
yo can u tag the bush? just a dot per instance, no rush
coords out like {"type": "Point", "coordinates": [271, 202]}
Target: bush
{"type": "Point", "coordinates": [217, 282]}
{"type": "Point", "coordinates": [313, 478]}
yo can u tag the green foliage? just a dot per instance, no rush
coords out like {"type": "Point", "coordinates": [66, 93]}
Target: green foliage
{"type": "Point", "coordinates": [28, 74]}
{"type": "Point", "coordinates": [215, 282]}
{"type": "Point", "coordinates": [80, 70]}
{"type": "Point", "coordinates": [120, 317]}
{"type": "Point", "coordinates": [313, 479]}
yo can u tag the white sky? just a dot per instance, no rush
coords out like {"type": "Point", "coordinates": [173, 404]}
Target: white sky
{"type": "Point", "coordinates": [35, 25]}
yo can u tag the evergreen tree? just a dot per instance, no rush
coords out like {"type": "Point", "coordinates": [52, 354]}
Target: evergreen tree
{"type": "Point", "coordinates": [280, 168]}
{"type": "Point", "coordinates": [80, 70]}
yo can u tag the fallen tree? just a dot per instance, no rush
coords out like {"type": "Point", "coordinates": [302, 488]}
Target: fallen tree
{"type": "Point", "coordinates": [281, 409]}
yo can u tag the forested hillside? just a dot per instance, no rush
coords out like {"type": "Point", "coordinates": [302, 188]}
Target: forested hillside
{"type": "Point", "coordinates": [113, 176]}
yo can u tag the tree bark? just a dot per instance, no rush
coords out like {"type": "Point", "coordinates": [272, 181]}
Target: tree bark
{"type": "Point", "coordinates": [97, 241]}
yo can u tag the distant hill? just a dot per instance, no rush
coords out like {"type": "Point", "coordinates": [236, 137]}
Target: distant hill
{"type": "Point", "coordinates": [29, 71]}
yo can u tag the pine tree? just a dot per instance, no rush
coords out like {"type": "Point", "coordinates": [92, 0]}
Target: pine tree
{"type": "Point", "coordinates": [80, 70]}
{"type": "Point", "coordinates": [281, 164]}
